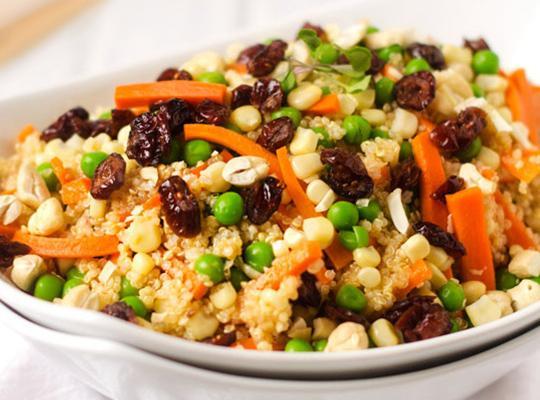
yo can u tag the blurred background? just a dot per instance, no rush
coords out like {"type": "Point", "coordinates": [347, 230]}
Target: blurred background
{"type": "Point", "coordinates": [44, 43]}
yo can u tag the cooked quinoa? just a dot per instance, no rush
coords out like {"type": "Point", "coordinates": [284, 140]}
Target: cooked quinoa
{"type": "Point", "coordinates": [349, 183]}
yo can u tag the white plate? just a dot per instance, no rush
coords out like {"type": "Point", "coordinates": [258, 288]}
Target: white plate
{"type": "Point", "coordinates": [124, 373]}
{"type": "Point", "coordinates": [449, 21]}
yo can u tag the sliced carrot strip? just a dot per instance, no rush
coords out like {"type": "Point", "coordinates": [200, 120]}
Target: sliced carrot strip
{"type": "Point", "coordinates": [74, 191]}
{"type": "Point", "coordinates": [418, 275]}
{"type": "Point", "coordinates": [246, 344]}
{"type": "Point", "coordinates": [468, 219]}
{"type": "Point", "coordinates": [152, 202]}
{"type": "Point", "coordinates": [328, 105]}
{"type": "Point", "coordinates": [25, 132]}
{"type": "Point", "coordinates": [339, 255]}
{"type": "Point", "coordinates": [429, 161]}
{"type": "Point", "coordinates": [516, 233]}
{"type": "Point", "coordinates": [520, 99]}
{"type": "Point", "coordinates": [8, 230]}
{"type": "Point", "coordinates": [199, 291]}
{"type": "Point", "coordinates": [524, 169]}
{"type": "Point", "coordinates": [85, 247]}
{"type": "Point", "coordinates": [144, 94]}
{"type": "Point", "coordinates": [234, 141]}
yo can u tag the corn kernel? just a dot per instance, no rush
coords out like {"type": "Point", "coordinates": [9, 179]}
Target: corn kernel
{"type": "Point", "coordinates": [247, 118]}
{"type": "Point", "coordinates": [489, 158]}
{"type": "Point", "coordinates": [374, 116]}
{"type": "Point", "coordinates": [439, 258]}
{"type": "Point", "coordinates": [201, 326]}
{"type": "Point", "coordinates": [304, 96]}
{"type": "Point", "coordinates": [306, 165]}
{"type": "Point", "coordinates": [293, 237]}
{"type": "Point", "coordinates": [48, 218]}
{"type": "Point", "coordinates": [369, 277]}
{"type": "Point", "coordinates": [483, 310]}
{"type": "Point", "coordinates": [320, 230]}
{"type": "Point", "coordinates": [365, 99]}
{"type": "Point", "coordinates": [223, 296]}
{"type": "Point", "coordinates": [144, 235]}
{"type": "Point", "coordinates": [347, 103]}
{"type": "Point", "coordinates": [316, 190]}
{"type": "Point", "coordinates": [473, 290]}
{"type": "Point", "coordinates": [383, 334]}
{"type": "Point", "coordinates": [280, 248]}
{"type": "Point", "coordinates": [304, 142]}
{"type": "Point", "coordinates": [142, 264]}
{"type": "Point", "coordinates": [322, 328]}
{"type": "Point", "coordinates": [367, 256]}
{"type": "Point", "coordinates": [437, 277]}
{"type": "Point", "coordinates": [492, 83]}
{"type": "Point", "coordinates": [97, 208]}
{"type": "Point", "coordinates": [416, 247]}
{"type": "Point", "coordinates": [457, 54]}
{"type": "Point", "coordinates": [404, 124]}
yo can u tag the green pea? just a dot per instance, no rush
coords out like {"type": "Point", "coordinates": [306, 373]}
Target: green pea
{"type": "Point", "coordinates": [325, 140]}
{"type": "Point", "coordinates": [455, 325]}
{"type": "Point", "coordinates": [452, 296]}
{"type": "Point", "coordinates": [74, 273]}
{"type": "Point", "coordinates": [48, 287]}
{"type": "Point", "coordinates": [259, 255]}
{"type": "Point", "coordinates": [320, 345]}
{"type": "Point", "coordinates": [343, 215]}
{"type": "Point", "coordinates": [416, 65]}
{"type": "Point", "coordinates": [384, 91]}
{"type": "Point", "coordinates": [127, 289]}
{"type": "Point", "coordinates": [211, 266]}
{"type": "Point", "coordinates": [105, 115]}
{"type": "Point", "coordinates": [326, 90]}
{"type": "Point", "coordinates": [370, 212]}
{"type": "Point", "coordinates": [505, 279]}
{"type": "Point", "coordinates": [485, 62]}
{"type": "Point", "coordinates": [70, 284]}
{"type": "Point", "coordinates": [379, 133]}
{"type": "Point", "coordinates": [471, 151]}
{"type": "Point", "coordinates": [351, 298]}
{"type": "Point", "coordinates": [405, 151]}
{"type": "Point", "coordinates": [291, 112]}
{"type": "Point", "coordinates": [477, 90]}
{"type": "Point", "coordinates": [196, 150]}
{"type": "Point", "coordinates": [229, 208]}
{"type": "Point", "coordinates": [386, 52]}
{"type": "Point", "coordinates": [326, 53]}
{"type": "Point", "coordinates": [297, 345]}
{"type": "Point", "coordinates": [534, 279]}
{"type": "Point", "coordinates": [47, 173]}
{"type": "Point", "coordinates": [357, 129]}
{"type": "Point", "coordinates": [175, 152]}
{"type": "Point", "coordinates": [212, 77]}
{"type": "Point", "coordinates": [372, 29]}
{"type": "Point", "coordinates": [90, 161]}
{"type": "Point", "coordinates": [356, 238]}
{"type": "Point", "coordinates": [137, 305]}
{"type": "Point", "coordinates": [237, 277]}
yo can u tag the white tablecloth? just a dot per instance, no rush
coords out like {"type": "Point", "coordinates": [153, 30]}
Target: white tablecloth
{"type": "Point", "coordinates": [118, 33]}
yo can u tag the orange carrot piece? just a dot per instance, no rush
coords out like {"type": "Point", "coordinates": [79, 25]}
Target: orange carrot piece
{"type": "Point", "coordinates": [74, 191]}
{"type": "Point", "coordinates": [200, 290]}
{"type": "Point", "coordinates": [516, 233]}
{"type": "Point", "coordinates": [468, 218]}
{"type": "Point", "coordinates": [152, 202]}
{"type": "Point", "coordinates": [520, 99]}
{"type": "Point", "coordinates": [246, 344]}
{"type": "Point", "coordinates": [328, 105]}
{"type": "Point", "coordinates": [8, 230]}
{"type": "Point", "coordinates": [524, 169]}
{"type": "Point", "coordinates": [339, 255]}
{"type": "Point", "coordinates": [302, 258]}
{"type": "Point", "coordinates": [321, 276]}
{"type": "Point", "coordinates": [420, 273]}
{"type": "Point", "coordinates": [85, 247]}
{"type": "Point", "coordinates": [236, 142]}
{"type": "Point", "coordinates": [63, 174]}
{"type": "Point", "coordinates": [26, 131]}
{"type": "Point", "coordinates": [143, 94]}
{"type": "Point", "coordinates": [390, 72]}
{"type": "Point", "coordinates": [240, 68]}
{"type": "Point", "coordinates": [429, 161]}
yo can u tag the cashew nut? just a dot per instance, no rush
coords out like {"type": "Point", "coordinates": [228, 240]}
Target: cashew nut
{"type": "Point", "coordinates": [48, 218]}
{"type": "Point", "coordinates": [31, 189]}
{"type": "Point", "coordinates": [80, 296]}
{"type": "Point", "coordinates": [245, 170]}
{"type": "Point", "coordinates": [26, 269]}
{"type": "Point", "coordinates": [10, 208]}
{"type": "Point", "coordinates": [346, 337]}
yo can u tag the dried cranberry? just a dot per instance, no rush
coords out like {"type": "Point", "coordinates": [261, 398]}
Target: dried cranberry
{"type": "Point", "coordinates": [436, 236]}
{"type": "Point", "coordinates": [241, 96]}
{"type": "Point", "coordinates": [432, 54]}
{"type": "Point", "coordinates": [276, 133]}
{"type": "Point", "coordinates": [248, 53]}
{"type": "Point", "coordinates": [456, 134]}
{"type": "Point", "coordinates": [120, 310]}
{"type": "Point", "coordinates": [339, 315]}
{"type": "Point", "coordinates": [318, 30]}
{"type": "Point", "coordinates": [222, 339]}
{"type": "Point", "coordinates": [120, 118]}
{"type": "Point", "coordinates": [376, 64]}
{"type": "Point", "coordinates": [267, 95]}
{"type": "Point", "coordinates": [476, 44]}
{"type": "Point", "coordinates": [308, 294]}
{"type": "Point", "coordinates": [418, 318]}
{"type": "Point", "coordinates": [173, 74]}
{"type": "Point", "coordinates": [108, 177]}
{"type": "Point", "coordinates": [406, 176]}
{"type": "Point", "coordinates": [445, 135]}
{"type": "Point", "coordinates": [100, 126]}
{"type": "Point", "coordinates": [262, 199]}
{"type": "Point", "coordinates": [416, 91]}
{"type": "Point", "coordinates": [263, 61]}
{"type": "Point", "coordinates": [74, 121]}
{"type": "Point", "coordinates": [452, 185]}
{"type": "Point", "coordinates": [9, 249]}
{"type": "Point", "coordinates": [346, 174]}
{"type": "Point", "coordinates": [180, 207]}
{"type": "Point", "coordinates": [211, 113]}
{"type": "Point", "coordinates": [177, 112]}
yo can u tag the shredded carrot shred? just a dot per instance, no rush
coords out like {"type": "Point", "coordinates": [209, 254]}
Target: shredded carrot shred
{"type": "Point", "coordinates": [26, 131]}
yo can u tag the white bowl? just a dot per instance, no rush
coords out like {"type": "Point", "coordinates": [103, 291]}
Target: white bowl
{"type": "Point", "coordinates": [122, 372]}
{"type": "Point", "coordinates": [460, 18]}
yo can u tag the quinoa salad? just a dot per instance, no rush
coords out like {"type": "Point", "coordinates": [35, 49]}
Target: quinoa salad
{"type": "Point", "coordinates": [346, 189]}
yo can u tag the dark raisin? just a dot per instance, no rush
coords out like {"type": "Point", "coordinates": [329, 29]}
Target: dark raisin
{"type": "Point", "coordinates": [340, 315]}
{"type": "Point", "coordinates": [177, 112]}
{"type": "Point", "coordinates": [9, 249]}
{"type": "Point", "coordinates": [267, 95]}
{"type": "Point", "coordinates": [120, 118]}
{"type": "Point", "coordinates": [222, 339]}
{"type": "Point", "coordinates": [418, 318]}
{"type": "Point", "coordinates": [174, 74]}
{"type": "Point", "coordinates": [241, 96]}
{"type": "Point", "coordinates": [308, 294]}
{"type": "Point", "coordinates": [476, 44]}
{"type": "Point", "coordinates": [436, 236]}
{"type": "Point", "coordinates": [74, 121]}
{"type": "Point", "coordinates": [318, 30]}
{"type": "Point", "coordinates": [262, 199]}
{"type": "Point", "coordinates": [376, 64]}
{"type": "Point", "coordinates": [456, 134]}
{"type": "Point", "coordinates": [346, 174]}
{"type": "Point", "coordinates": [452, 185]}
{"type": "Point", "coordinates": [432, 54]}
{"type": "Point", "coordinates": [264, 61]}
{"type": "Point", "coordinates": [406, 175]}
{"type": "Point", "coordinates": [211, 113]}
{"type": "Point", "coordinates": [108, 177]}
{"type": "Point", "coordinates": [248, 53]}
{"type": "Point", "coordinates": [180, 207]}
{"type": "Point", "coordinates": [276, 133]}
{"type": "Point", "coordinates": [415, 91]}
{"type": "Point", "coordinates": [445, 136]}
{"type": "Point", "coordinates": [120, 310]}
{"type": "Point", "coordinates": [100, 126]}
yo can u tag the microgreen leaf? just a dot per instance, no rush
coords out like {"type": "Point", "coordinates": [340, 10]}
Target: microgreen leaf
{"type": "Point", "coordinates": [288, 82]}
{"type": "Point", "coordinates": [358, 85]}
{"type": "Point", "coordinates": [359, 57]}
{"type": "Point", "coordinates": [309, 36]}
